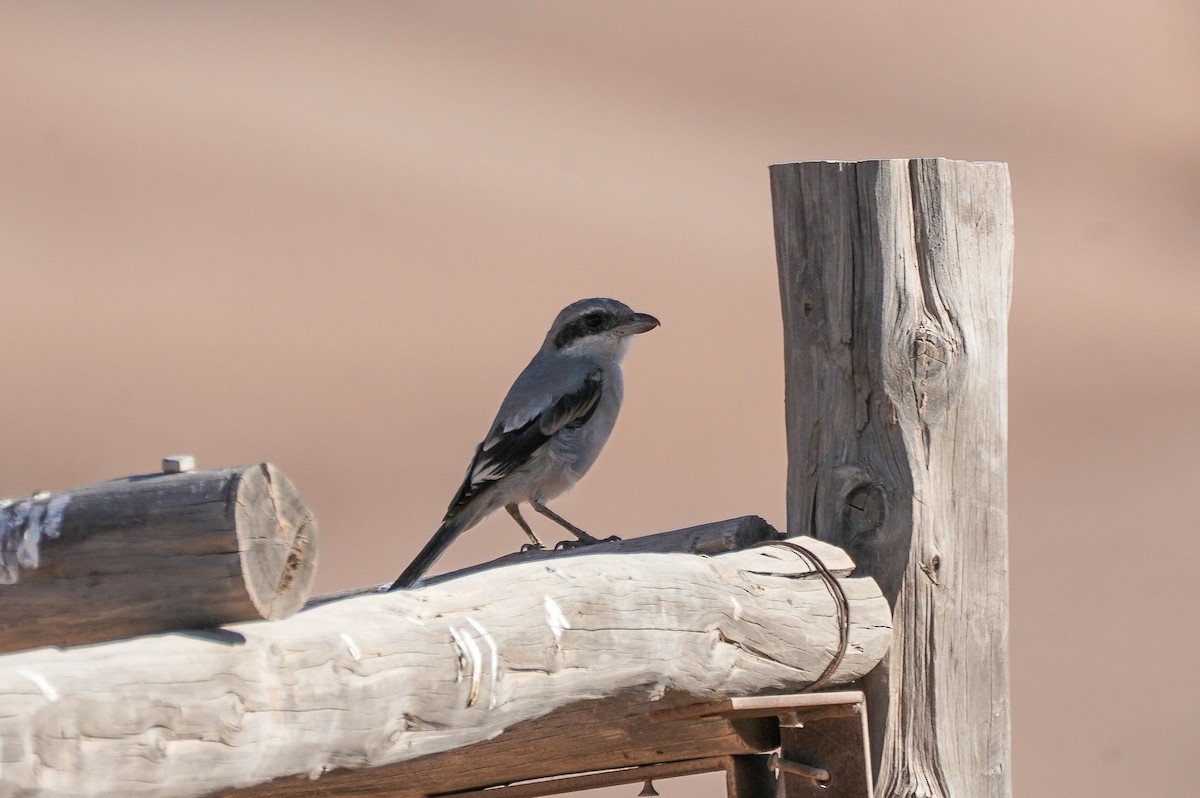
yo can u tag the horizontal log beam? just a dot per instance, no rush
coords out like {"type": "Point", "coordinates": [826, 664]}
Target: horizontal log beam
{"type": "Point", "coordinates": [586, 736]}
{"type": "Point", "coordinates": [711, 538]}
{"type": "Point", "coordinates": [372, 681]}
{"type": "Point", "coordinates": [153, 553]}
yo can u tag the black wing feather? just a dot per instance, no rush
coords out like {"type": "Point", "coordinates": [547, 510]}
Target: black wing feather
{"type": "Point", "coordinates": [510, 450]}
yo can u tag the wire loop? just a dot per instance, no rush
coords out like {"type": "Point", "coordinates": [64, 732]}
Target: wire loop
{"type": "Point", "coordinates": [841, 604]}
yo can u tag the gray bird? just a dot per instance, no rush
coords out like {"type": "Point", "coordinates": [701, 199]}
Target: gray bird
{"type": "Point", "coordinates": [550, 428]}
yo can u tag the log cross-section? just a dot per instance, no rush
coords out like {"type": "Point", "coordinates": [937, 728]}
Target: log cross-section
{"type": "Point", "coordinates": [356, 685]}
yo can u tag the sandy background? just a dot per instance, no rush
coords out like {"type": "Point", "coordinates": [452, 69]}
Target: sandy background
{"type": "Point", "coordinates": [329, 235]}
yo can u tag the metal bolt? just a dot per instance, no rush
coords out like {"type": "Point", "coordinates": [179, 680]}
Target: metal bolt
{"type": "Point", "coordinates": [776, 762]}
{"type": "Point", "coordinates": [178, 464]}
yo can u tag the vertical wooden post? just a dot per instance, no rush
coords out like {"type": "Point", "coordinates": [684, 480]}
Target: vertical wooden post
{"type": "Point", "coordinates": [896, 280]}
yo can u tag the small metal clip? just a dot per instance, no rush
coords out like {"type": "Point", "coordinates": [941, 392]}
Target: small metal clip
{"type": "Point", "coordinates": [647, 788]}
{"type": "Point", "coordinates": [178, 464]}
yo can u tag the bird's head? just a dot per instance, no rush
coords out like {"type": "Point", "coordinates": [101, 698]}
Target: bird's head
{"type": "Point", "coordinates": [596, 327]}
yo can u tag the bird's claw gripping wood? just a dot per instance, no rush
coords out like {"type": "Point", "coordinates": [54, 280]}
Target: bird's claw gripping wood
{"type": "Point", "coordinates": [583, 540]}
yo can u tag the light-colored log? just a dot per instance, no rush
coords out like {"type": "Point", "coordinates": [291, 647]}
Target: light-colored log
{"type": "Point", "coordinates": [896, 279]}
{"type": "Point", "coordinates": [153, 553]}
{"type": "Point", "coordinates": [381, 679]}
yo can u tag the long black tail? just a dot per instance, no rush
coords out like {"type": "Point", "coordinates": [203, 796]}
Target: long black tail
{"type": "Point", "coordinates": [436, 546]}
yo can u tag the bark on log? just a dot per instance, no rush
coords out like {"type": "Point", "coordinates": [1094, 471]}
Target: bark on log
{"type": "Point", "coordinates": [712, 538]}
{"type": "Point", "coordinates": [896, 278]}
{"type": "Point", "coordinates": [380, 679]}
{"type": "Point", "coordinates": [153, 553]}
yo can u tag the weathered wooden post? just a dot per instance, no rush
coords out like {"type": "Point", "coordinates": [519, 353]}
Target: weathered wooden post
{"type": "Point", "coordinates": [896, 279]}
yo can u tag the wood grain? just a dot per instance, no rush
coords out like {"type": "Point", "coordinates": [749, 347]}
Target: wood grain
{"type": "Point", "coordinates": [896, 278]}
{"type": "Point", "coordinates": [371, 681]}
{"type": "Point", "coordinates": [592, 735]}
{"type": "Point", "coordinates": [155, 553]}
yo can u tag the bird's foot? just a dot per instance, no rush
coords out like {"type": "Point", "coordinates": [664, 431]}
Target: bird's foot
{"type": "Point", "coordinates": [532, 547]}
{"type": "Point", "coordinates": [582, 540]}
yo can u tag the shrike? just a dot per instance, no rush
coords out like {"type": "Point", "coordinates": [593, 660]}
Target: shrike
{"type": "Point", "coordinates": [550, 428]}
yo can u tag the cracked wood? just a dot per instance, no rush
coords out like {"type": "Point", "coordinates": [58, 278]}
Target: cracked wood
{"type": "Point", "coordinates": [895, 278]}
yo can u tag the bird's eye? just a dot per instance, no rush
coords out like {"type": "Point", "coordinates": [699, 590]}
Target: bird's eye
{"type": "Point", "coordinates": [594, 321]}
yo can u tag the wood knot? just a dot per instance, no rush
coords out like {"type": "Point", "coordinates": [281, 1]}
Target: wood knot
{"type": "Point", "coordinates": [930, 354]}
{"type": "Point", "coordinates": [935, 373]}
{"type": "Point", "coordinates": [931, 568]}
{"type": "Point", "coordinates": [864, 509]}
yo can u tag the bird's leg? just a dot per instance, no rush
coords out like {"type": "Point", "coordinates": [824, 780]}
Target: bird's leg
{"type": "Point", "coordinates": [515, 512]}
{"type": "Point", "coordinates": [584, 538]}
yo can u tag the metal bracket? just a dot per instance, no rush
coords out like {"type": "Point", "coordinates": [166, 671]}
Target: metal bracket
{"type": "Point", "coordinates": [833, 743]}
{"type": "Point", "coordinates": [824, 744]}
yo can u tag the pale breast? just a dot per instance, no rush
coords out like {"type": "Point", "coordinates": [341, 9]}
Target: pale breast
{"type": "Point", "coordinates": [578, 449]}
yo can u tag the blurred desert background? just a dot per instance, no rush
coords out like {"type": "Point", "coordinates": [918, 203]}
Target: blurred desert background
{"type": "Point", "coordinates": [328, 235]}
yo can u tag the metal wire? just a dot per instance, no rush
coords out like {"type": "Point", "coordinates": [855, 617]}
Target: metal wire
{"type": "Point", "coordinates": [841, 604]}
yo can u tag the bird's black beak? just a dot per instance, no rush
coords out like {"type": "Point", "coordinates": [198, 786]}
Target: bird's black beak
{"type": "Point", "coordinates": [639, 323]}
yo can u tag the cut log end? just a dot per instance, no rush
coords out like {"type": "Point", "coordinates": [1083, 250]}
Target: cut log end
{"type": "Point", "coordinates": [277, 538]}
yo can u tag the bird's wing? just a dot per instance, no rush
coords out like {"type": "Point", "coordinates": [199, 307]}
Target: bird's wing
{"type": "Point", "coordinates": [516, 436]}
